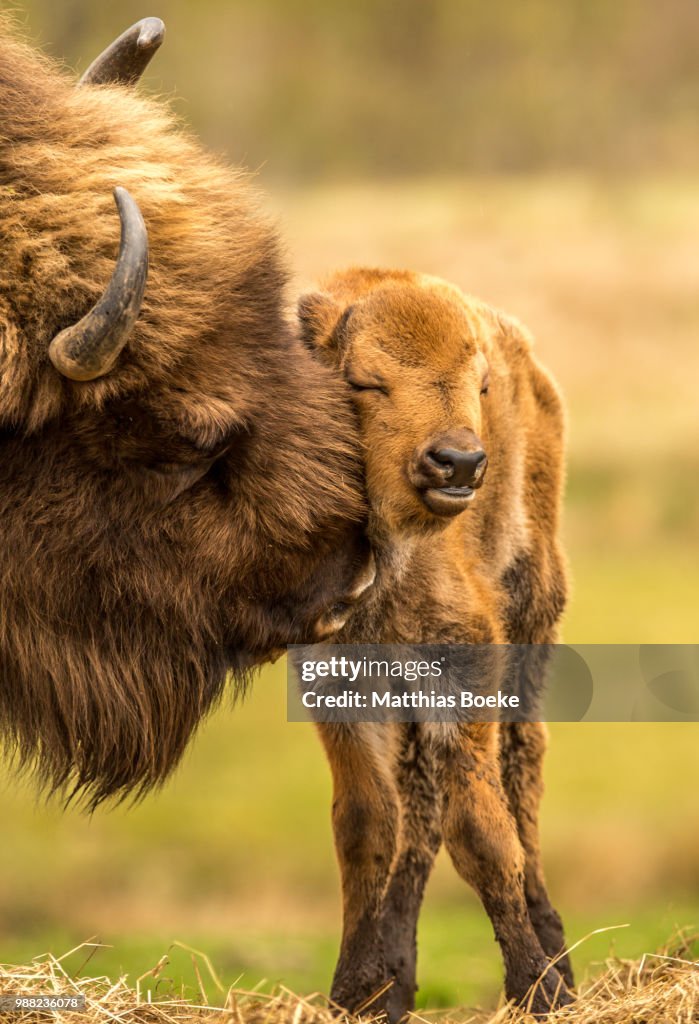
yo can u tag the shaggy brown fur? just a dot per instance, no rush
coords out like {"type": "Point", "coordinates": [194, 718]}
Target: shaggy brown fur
{"type": "Point", "coordinates": [196, 508]}
{"type": "Point", "coordinates": [418, 355]}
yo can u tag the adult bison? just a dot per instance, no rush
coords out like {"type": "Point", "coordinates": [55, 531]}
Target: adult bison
{"type": "Point", "coordinates": [180, 493]}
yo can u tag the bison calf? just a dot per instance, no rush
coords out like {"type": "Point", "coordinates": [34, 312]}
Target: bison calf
{"type": "Point", "coordinates": [455, 414]}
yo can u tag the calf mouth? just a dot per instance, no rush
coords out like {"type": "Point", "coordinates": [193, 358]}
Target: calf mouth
{"type": "Point", "coordinates": [447, 501]}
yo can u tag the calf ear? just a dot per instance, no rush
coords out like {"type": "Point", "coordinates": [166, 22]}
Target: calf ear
{"type": "Point", "coordinates": [318, 315]}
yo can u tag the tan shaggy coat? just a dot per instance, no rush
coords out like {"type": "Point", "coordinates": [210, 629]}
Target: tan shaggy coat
{"type": "Point", "coordinates": [433, 372]}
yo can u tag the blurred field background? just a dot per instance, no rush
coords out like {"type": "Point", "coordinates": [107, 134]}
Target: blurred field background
{"type": "Point", "coordinates": [544, 156]}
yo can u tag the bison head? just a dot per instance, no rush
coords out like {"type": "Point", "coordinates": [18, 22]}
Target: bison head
{"type": "Point", "coordinates": [180, 490]}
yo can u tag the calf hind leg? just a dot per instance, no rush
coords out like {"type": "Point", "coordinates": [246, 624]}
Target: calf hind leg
{"type": "Point", "coordinates": [522, 749]}
{"type": "Point", "coordinates": [481, 837]}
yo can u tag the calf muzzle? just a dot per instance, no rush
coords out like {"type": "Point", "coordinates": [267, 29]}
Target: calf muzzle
{"type": "Point", "coordinates": [447, 472]}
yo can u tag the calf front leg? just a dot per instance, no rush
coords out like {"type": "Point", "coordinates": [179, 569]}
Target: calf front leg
{"type": "Point", "coordinates": [481, 837]}
{"type": "Point", "coordinates": [366, 822]}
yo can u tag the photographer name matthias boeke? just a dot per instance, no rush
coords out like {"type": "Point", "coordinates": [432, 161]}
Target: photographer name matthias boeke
{"type": "Point", "coordinates": [408, 699]}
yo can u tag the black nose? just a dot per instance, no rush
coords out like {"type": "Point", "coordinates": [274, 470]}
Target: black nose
{"type": "Point", "coordinates": [459, 468]}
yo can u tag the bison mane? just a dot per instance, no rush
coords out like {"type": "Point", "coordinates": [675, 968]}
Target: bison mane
{"type": "Point", "coordinates": [188, 513]}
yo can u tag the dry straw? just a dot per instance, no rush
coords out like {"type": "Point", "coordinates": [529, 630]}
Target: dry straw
{"type": "Point", "coordinates": [661, 988]}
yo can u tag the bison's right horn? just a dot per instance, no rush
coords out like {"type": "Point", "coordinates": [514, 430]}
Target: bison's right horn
{"type": "Point", "coordinates": [127, 58]}
{"type": "Point", "coordinates": [90, 348]}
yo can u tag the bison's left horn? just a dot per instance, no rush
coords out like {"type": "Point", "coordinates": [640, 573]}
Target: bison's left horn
{"type": "Point", "coordinates": [90, 348]}
{"type": "Point", "coordinates": [127, 58]}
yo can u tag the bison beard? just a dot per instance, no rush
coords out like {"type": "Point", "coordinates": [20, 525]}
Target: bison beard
{"type": "Point", "coordinates": [191, 510]}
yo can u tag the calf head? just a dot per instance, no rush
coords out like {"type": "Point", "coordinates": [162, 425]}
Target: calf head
{"type": "Point", "coordinates": [414, 352]}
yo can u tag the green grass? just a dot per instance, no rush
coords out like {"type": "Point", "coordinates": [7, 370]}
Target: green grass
{"type": "Point", "coordinates": [459, 961]}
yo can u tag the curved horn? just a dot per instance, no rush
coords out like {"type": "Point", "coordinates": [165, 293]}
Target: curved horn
{"type": "Point", "coordinates": [90, 348]}
{"type": "Point", "coordinates": [127, 58]}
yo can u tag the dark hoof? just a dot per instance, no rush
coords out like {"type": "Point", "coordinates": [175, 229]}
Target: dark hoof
{"type": "Point", "coordinates": [398, 1003]}
{"type": "Point", "coordinates": [376, 1003]}
{"type": "Point", "coordinates": [549, 930]}
{"type": "Point", "coordinates": [548, 992]}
